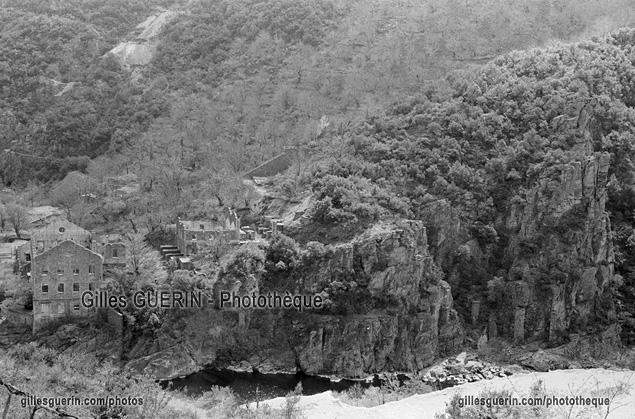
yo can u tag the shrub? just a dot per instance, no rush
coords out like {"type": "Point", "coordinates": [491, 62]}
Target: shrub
{"type": "Point", "coordinates": [246, 261]}
{"type": "Point", "coordinates": [283, 249]}
{"type": "Point", "coordinates": [484, 234]}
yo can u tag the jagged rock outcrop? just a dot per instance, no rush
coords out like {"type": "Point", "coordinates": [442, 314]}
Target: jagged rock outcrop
{"type": "Point", "coordinates": [562, 252]}
{"type": "Point", "coordinates": [391, 262]}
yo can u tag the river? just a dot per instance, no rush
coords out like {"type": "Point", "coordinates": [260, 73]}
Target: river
{"type": "Point", "coordinates": [255, 386]}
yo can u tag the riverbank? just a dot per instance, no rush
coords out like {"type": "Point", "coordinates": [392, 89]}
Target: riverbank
{"type": "Point", "coordinates": [618, 385]}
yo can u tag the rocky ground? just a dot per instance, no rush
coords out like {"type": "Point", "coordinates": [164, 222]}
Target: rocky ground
{"type": "Point", "coordinates": [461, 370]}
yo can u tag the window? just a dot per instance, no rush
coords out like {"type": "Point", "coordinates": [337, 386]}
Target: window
{"type": "Point", "coordinates": [75, 286]}
{"type": "Point", "coordinates": [62, 229]}
{"type": "Point", "coordinates": [193, 236]}
{"type": "Point", "coordinates": [60, 308]}
{"type": "Point", "coordinates": [45, 309]}
{"type": "Point", "coordinates": [60, 287]}
{"type": "Point", "coordinates": [115, 253]}
{"type": "Point", "coordinates": [202, 227]}
{"type": "Point", "coordinates": [91, 269]}
{"type": "Point", "coordinates": [45, 272]}
{"type": "Point", "coordinates": [60, 271]}
{"type": "Point", "coordinates": [28, 257]}
{"type": "Point", "coordinates": [76, 307]}
{"type": "Point", "coordinates": [45, 288]}
{"type": "Point", "coordinates": [75, 271]}
{"type": "Point", "coordinates": [90, 286]}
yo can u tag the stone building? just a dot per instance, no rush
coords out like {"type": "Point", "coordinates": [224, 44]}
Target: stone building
{"type": "Point", "coordinates": [191, 233]}
{"type": "Point", "coordinates": [49, 236]}
{"type": "Point", "coordinates": [111, 247]}
{"type": "Point", "coordinates": [59, 277]}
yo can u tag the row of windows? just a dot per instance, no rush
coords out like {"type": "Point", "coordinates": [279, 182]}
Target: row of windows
{"type": "Point", "coordinates": [60, 271]}
{"type": "Point", "coordinates": [45, 308]}
{"type": "Point", "coordinates": [60, 287]}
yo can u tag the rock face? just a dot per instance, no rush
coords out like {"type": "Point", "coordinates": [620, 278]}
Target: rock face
{"type": "Point", "coordinates": [392, 263]}
{"type": "Point", "coordinates": [389, 263]}
{"type": "Point", "coordinates": [562, 252]}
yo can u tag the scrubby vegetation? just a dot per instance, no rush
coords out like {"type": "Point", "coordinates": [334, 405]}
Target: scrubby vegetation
{"type": "Point", "coordinates": [390, 390]}
{"type": "Point", "coordinates": [44, 373]}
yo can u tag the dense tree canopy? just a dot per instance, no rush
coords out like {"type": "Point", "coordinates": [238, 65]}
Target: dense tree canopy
{"type": "Point", "coordinates": [484, 139]}
{"type": "Point", "coordinates": [272, 68]}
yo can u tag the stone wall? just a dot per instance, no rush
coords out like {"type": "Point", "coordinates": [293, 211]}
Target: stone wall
{"type": "Point", "coordinates": [113, 253]}
{"type": "Point", "coordinates": [190, 233]}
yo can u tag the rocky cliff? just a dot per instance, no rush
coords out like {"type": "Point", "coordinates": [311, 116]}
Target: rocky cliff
{"type": "Point", "coordinates": [411, 326]}
{"type": "Point", "coordinates": [562, 252]}
{"type": "Point", "coordinates": [416, 324]}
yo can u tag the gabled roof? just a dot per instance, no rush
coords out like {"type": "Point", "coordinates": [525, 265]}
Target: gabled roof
{"type": "Point", "coordinates": [40, 214]}
{"type": "Point", "coordinates": [59, 226]}
{"type": "Point", "coordinates": [66, 246]}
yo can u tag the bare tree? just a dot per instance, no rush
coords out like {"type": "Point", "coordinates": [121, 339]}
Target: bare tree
{"type": "Point", "coordinates": [3, 217]}
{"type": "Point", "coordinates": [18, 216]}
{"type": "Point", "coordinates": [143, 262]}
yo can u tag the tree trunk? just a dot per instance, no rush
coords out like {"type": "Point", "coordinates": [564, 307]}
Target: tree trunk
{"type": "Point", "coordinates": [220, 201]}
{"type": "Point", "coordinates": [6, 407]}
{"type": "Point", "coordinates": [134, 227]}
{"type": "Point", "coordinates": [33, 413]}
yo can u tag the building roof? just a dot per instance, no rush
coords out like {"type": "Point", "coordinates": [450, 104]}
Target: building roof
{"type": "Point", "coordinates": [38, 214]}
{"type": "Point", "coordinates": [9, 248]}
{"type": "Point", "coordinates": [59, 226]}
{"type": "Point", "coordinates": [272, 167]}
{"type": "Point", "coordinates": [66, 246]}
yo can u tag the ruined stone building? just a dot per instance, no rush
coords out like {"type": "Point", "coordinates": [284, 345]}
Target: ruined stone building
{"type": "Point", "coordinates": [59, 276]}
{"type": "Point", "coordinates": [189, 234]}
{"type": "Point", "coordinates": [111, 247]}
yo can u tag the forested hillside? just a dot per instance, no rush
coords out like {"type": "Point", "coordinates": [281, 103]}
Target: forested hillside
{"type": "Point", "coordinates": [516, 163]}
{"type": "Point", "coordinates": [413, 109]}
{"type": "Point", "coordinates": [269, 70]}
